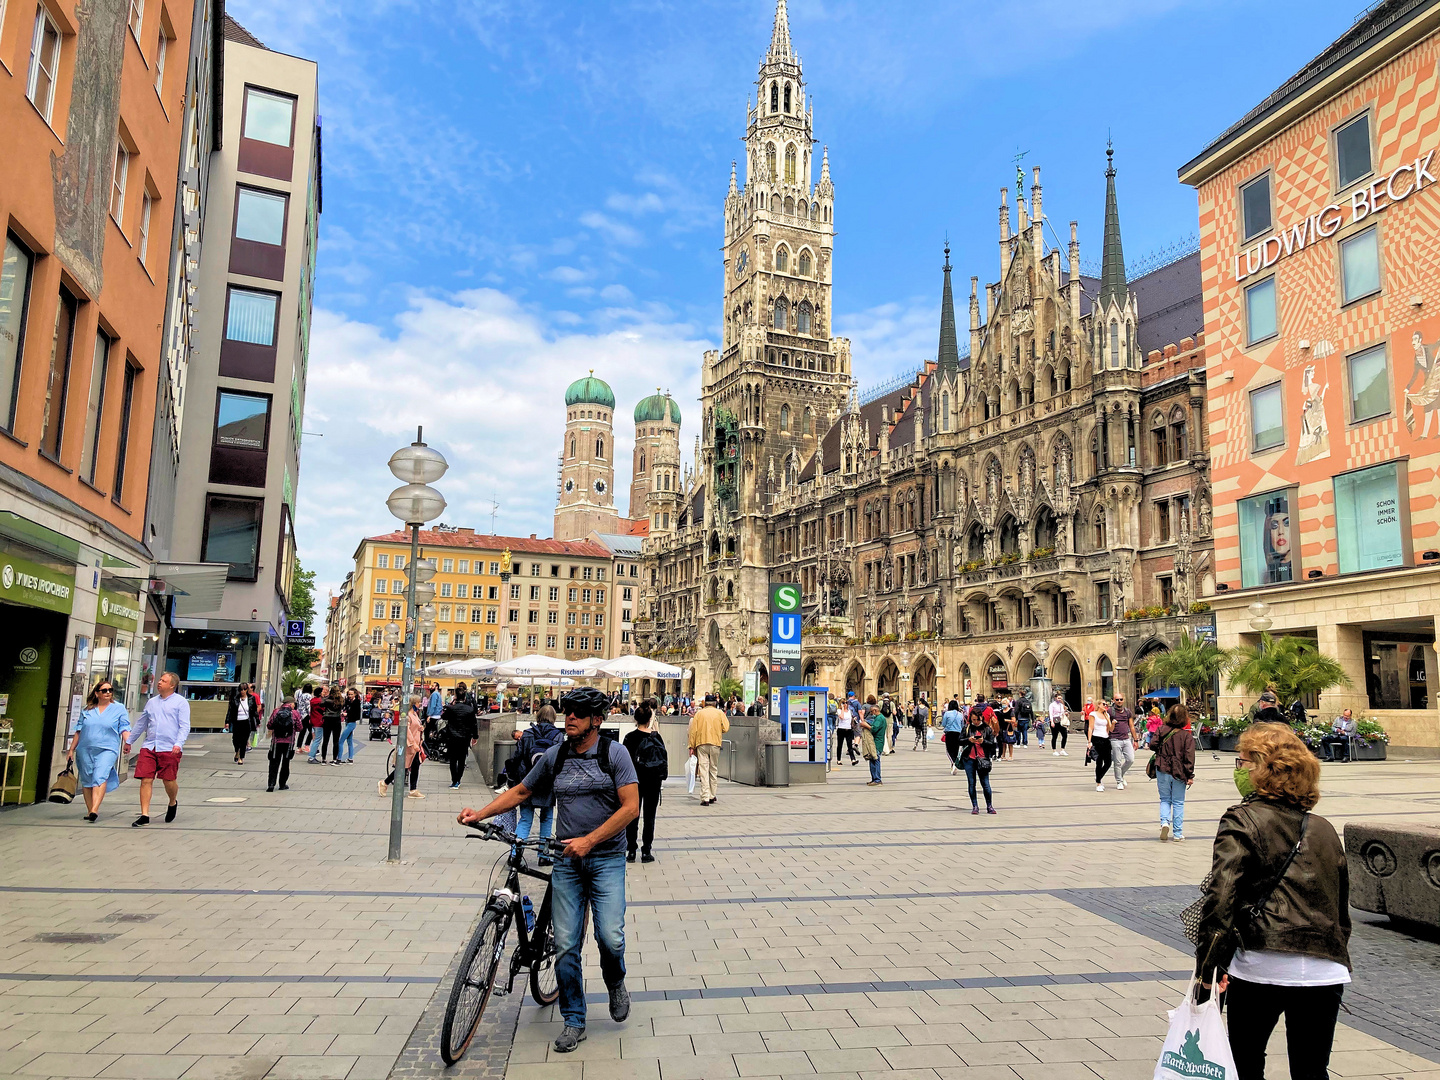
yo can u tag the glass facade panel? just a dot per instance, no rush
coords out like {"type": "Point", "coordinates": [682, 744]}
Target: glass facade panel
{"type": "Point", "coordinates": [260, 216]}
{"type": "Point", "coordinates": [1267, 540]}
{"type": "Point", "coordinates": [1367, 519]}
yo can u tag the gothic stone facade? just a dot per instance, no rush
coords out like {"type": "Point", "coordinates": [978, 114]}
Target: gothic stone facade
{"type": "Point", "coordinates": [1038, 488]}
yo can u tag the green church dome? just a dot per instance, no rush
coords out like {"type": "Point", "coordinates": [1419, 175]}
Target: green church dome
{"type": "Point", "coordinates": [590, 391]}
{"type": "Point", "coordinates": [655, 408]}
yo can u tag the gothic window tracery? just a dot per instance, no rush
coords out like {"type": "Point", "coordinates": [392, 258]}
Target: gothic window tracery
{"type": "Point", "coordinates": [784, 417]}
{"type": "Point", "coordinates": [769, 165]}
{"type": "Point", "coordinates": [787, 97]}
{"type": "Point", "coordinates": [1179, 436]}
{"type": "Point", "coordinates": [804, 258]}
{"type": "Point", "coordinates": [802, 321]}
{"type": "Point", "coordinates": [782, 314]}
{"type": "Point", "coordinates": [782, 258]}
{"type": "Point", "coordinates": [789, 202]}
{"type": "Point", "coordinates": [774, 97]}
{"type": "Point", "coordinates": [790, 170]}
{"type": "Point", "coordinates": [807, 422]}
{"type": "Point", "coordinates": [802, 212]}
{"type": "Point", "coordinates": [1100, 530]}
{"type": "Point", "coordinates": [600, 447]}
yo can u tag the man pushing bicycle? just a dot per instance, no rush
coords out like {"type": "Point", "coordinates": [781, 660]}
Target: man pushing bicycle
{"type": "Point", "coordinates": [597, 794]}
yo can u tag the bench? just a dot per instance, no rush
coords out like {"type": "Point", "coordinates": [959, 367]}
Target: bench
{"type": "Point", "coordinates": [1395, 870]}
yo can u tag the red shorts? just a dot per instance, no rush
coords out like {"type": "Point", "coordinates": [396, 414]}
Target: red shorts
{"type": "Point", "coordinates": [164, 765]}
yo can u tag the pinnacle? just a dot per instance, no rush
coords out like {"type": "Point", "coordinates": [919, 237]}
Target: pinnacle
{"type": "Point", "coordinates": [780, 40]}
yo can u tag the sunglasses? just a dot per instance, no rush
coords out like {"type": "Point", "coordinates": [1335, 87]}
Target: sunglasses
{"type": "Point", "coordinates": [104, 690]}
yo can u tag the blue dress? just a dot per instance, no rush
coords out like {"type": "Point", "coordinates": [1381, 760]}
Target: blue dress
{"type": "Point", "coordinates": [97, 754]}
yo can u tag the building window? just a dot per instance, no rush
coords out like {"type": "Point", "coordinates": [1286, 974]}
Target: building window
{"type": "Point", "coordinates": [514, 592]}
{"type": "Point", "coordinates": [1162, 521]}
{"type": "Point", "coordinates": [1167, 591]}
{"type": "Point", "coordinates": [1102, 601]}
{"type": "Point", "coordinates": [531, 640]}
{"type": "Point", "coordinates": [1100, 539]}
{"type": "Point", "coordinates": [397, 586]}
{"type": "Point", "coordinates": [534, 592]}
{"type": "Point", "coordinates": [57, 385]}
{"type": "Point", "coordinates": [381, 585]}
{"type": "Point", "coordinates": [462, 613]}
{"type": "Point", "coordinates": [532, 616]}
{"type": "Point", "coordinates": [443, 641]}
{"type": "Point", "coordinates": [1352, 151]}
{"type": "Point", "coordinates": [382, 561]}
{"type": "Point", "coordinates": [162, 52]}
{"type": "Point", "coordinates": [782, 260]}
{"type": "Point", "coordinates": [242, 421]}
{"type": "Point", "coordinates": [588, 573]}
{"type": "Point", "coordinates": [399, 562]}
{"type": "Point", "coordinates": [599, 618]}
{"type": "Point", "coordinates": [552, 617]}
{"type": "Point", "coordinates": [475, 615]}
{"type": "Point", "coordinates": [1360, 265]}
{"type": "Point", "coordinates": [1159, 442]}
{"type": "Point", "coordinates": [232, 534]}
{"type": "Point", "coordinates": [260, 216]}
{"type": "Point", "coordinates": [1267, 417]}
{"type": "Point", "coordinates": [462, 590]}
{"type": "Point", "coordinates": [379, 610]}
{"type": "Point", "coordinates": [494, 568]}
{"type": "Point", "coordinates": [624, 637]}
{"type": "Point", "coordinates": [805, 263]}
{"type": "Point", "coordinates": [447, 566]}
{"type": "Point", "coordinates": [573, 595]}
{"type": "Point", "coordinates": [1261, 322]}
{"type": "Point", "coordinates": [599, 596]}
{"type": "Point", "coordinates": [627, 595]}
{"type": "Point", "coordinates": [464, 566]}
{"type": "Point", "coordinates": [585, 596]}
{"type": "Point", "coordinates": [1369, 384]}
{"type": "Point", "coordinates": [570, 642]}
{"type": "Point", "coordinates": [444, 615]}
{"type": "Point", "coordinates": [1255, 206]}
{"type": "Point", "coordinates": [1267, 540]}
{"type": "Point", "coordinates": [491, 614]}
{"type": "Point", "coordinates": [585, 618]}
{"type": "Point", "coordinates": [44, 62]}
{"type": "Point", "coordinates": [550, 641]}
{"type": "Point", "coordinates": [554, 593]}
{"type": "Point", "coordinates": [446, 589]}
{"type": "Point", "coordinates": [534, 569]}
{"type": "Point", "coordinates": [570, 618]}
{"type": "Point", "coordinates": [514, 615]}
{"type": "Point", "coordinates": [147, 204]}
{"type": "Point", "coordinates": [14, 302]}
{"type": "Point", "coordinates": [492, 592]}
{"type": "Point", "coordinates": [396, 611]}
{"type": "Point", "coordinates": [1368, 520]}
{"type": "Point", "coordinates": [268, 117]}
{"type": "Point", "coordinates": [95, 407]}
{"type": "Point", "coordinates": [136, 18]}
{"type": "Point", "coordinates": [1107, 679]}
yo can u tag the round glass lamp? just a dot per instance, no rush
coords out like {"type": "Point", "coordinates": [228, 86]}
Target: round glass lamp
{"type": "Point", "coordinates": [415, 504]}
{"type": "Point", "coordinates": [418, 464]}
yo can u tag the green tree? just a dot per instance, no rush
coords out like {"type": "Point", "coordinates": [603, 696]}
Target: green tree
{"type": "Point", "coordinates": [292, 679]}
{"type": "Point", "coordinates": [729, 687]}
{"type": "Point", "coordinates": [302, 606]}
{"type": "Point", "coordinates": [1294, 665]}
{"type": "Point", "coordinates": [1192, 665]}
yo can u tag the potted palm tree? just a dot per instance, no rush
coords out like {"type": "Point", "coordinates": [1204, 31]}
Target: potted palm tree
{"type": "Point", "coordinates": [1294, 666]}
{"type": "Point", "coordinates": [1192, 665]}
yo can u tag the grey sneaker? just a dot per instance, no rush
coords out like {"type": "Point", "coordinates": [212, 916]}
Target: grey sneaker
{"type": "Point", "coordinates": [569, 1039]}
{"type": "Point", "coordinates": [619, 1004]}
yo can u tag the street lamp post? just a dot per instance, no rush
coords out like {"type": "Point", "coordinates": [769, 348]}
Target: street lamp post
{"type": "Point", "coordinates": [417, 466]}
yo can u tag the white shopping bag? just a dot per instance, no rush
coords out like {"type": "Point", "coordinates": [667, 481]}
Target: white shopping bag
{"type": "Point", "coordinates": [1197, 1046]}
{"type": "Point", "coordinates": [690, 767]}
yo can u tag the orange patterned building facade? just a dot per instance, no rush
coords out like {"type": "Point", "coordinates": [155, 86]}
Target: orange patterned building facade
{"type": "Point", "coordinates": [1319, 221]}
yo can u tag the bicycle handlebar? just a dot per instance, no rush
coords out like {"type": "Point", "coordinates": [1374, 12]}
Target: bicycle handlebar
{"type": "Point", "coordinates": [547, 845]}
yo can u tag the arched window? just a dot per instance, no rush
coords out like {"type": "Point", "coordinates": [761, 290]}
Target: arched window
{"type": "Point", "coordinates": [1101, 542]}
{"type": "Point", "coordinates": [945, 411]}
{"type": "Point", "coordinates": [787, 97]}
{"type": "Point", "coordinates": [572, 445]}
{"type": "Point", "coordinates": [806, 422]}
{"type": "Point", "coordinates": [769, 165]}
{"type": "Point", "coordinates": [1159, 441]}
{"type": "Point", "coordinates": [782, 259]}
{"type": "Point", "coordinates": [789, 202]}
{"type": "Point", "coordinates": [800, 208]}
{"type": "Point", "coordinates": [642, 461]}
{"type": "Point", "coordinates": [782, 314]}
{"type": "Point", "coordinates": [1179, 436]}
{"type": "Point", "coordinates": [784, 417]}
{"type": "Point", "coordinates": [802, 320]}
{"type": "Point", "coordinates": [1094, 455]}
{"type": "Point", "coordinates": [805, 264]}
{"type": "Point", "coordinates": [790, 172]}
{"type": "Point", "coordinates": [814, 210]}
{"type": "Point", "coordinates": [1114, 344]}
{"type": "Point", "coordinates": [600, 447]}
{"type": "Point", "coordinates": [774, 97]}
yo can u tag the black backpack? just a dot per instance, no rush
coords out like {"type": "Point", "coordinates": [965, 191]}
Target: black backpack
{"type": "Point", "coordinates": [603, 754]}
{"type": "Point", "coordinates": [529, 751]}
{"type": "Point", "coordinates": [282, 724]}
{"type": "Point", "coordinates": [650, 753]}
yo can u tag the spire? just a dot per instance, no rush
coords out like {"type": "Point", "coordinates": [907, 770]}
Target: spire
{"type": "Point", "coordinates": [1112, 266]}
{"type": "Point", "coordinates": [825, 158]}
{"type": "Point", "coordinates": [948, 358]}
{"type": "Point", "coordinates": [733, 188]}
{"type": "Point", "coordinates": [780, 39]}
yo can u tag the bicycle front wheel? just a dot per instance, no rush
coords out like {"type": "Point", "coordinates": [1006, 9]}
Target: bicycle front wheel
{"type": "Point", "coordinates": [473, 983]}
{"type": "Point", "coordinates": [544, 982]}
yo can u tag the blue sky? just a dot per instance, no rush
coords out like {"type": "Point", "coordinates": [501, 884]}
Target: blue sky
{"type": "Point", "coordinates": [518, 191]}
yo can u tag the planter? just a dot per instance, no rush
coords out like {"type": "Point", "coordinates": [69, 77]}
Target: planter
{"type": "Point", "coordinates": [1367, 751]}
{"type": "Point", "coordinates": [1207, 742]}
{"type": "Point", "coordinates": [1226, 744]}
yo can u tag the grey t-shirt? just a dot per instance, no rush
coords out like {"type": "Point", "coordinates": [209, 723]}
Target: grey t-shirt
{"type": "Point", "coordinates": [586, 798]}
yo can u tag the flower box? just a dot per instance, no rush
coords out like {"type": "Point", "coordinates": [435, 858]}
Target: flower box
{"type": "Point", "coordinates": [1226, 744]}
{"type": "Point", "coordinates": [1367, 751]}
{"type": "Point", "coordinates": [1208, 740]}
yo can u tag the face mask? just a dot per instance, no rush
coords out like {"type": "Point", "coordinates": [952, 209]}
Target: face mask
{"type": "Point", "coordinates": [1243, 783]}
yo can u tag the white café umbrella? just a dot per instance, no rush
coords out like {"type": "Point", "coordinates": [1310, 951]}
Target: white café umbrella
{"type": "Point", "coordinates": [538, 666]}
{"type": "Point", "coordinates": [464, 669]}
{"type": "Point", "coordinates": [639, 667]}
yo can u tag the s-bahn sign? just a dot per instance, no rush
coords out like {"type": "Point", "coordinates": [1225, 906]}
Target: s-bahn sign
{"type": "Point", "coordinates": [1380, 195]}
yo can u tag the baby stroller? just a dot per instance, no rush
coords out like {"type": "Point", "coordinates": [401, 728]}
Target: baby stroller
{"type": "Point", "coordinates": [379, 724]}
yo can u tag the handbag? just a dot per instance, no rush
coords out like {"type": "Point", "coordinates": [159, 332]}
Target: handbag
{"type": "Point", "coordinates": [1152, 767]}
{"type": "Point", "coordinates": [1190, 914]}
{"type": "Point", "coordinates": [1197, 1046]}
{"type": "Point", "coordinates": [66, 784]}
{"type": "Point", "coordinates": [983, 765]}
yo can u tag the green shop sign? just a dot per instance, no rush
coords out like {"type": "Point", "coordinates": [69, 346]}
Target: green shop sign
{"type": "Point", "coordinates": [120, 610]}
{"type": "Point", "coordinates": [29, 583]}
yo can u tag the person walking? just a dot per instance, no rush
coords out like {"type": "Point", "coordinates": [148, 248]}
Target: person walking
{"type": "Point", "coordinates": [1097, 730]}
{"type": "Point", "coordinates": [952, 726]}
{"type": "Point", "coordinates": [1122, 739]}
{"type": "Point", "coordinates": [845, 730]}
{"type": "Point", "coordinates": [314, 735]}
{"type": "Point", "coordinates": [332, 717]}
{"type": "Point", "coordinates": [646, 747]}
{"type": "Point", "coordinates": [707, 727]}
{"type": "Point", "coordinates": [414, 750]}
{"type": "Point", "coordinates": [304, 708]}
{"type": "Point", "coordinates": [354, 705]}
{"type": "Point", "coordinates": [462, 731]}
{"type": "Point", "coordinates": [242, 717]}
{"type": "Point", "coordinates": [1174, 771]}
{"type": "Point", "coordinates": [165, 724]}
{"type": "Point", "coordinates": [1024, 716]}
{"type": "Point", "coordinates": [1009, 730]}
{"type": "Point", "coordinates": [920, 721]}
{"type": "Point", "coordinates": [96, 745]}
{"type": "Point", "coordinates": [1059, 725]}
{"type": "Point", "coordinates": [879, 730]}
{"type": "Point", "coordinates": [980, 749]}
{"type": "Point", "coordinates": [598, 795]}
{"type": "Point", "coordinates": [1275, 916]}
{"type": "Point", "coordinates": [284, 726]}
{"type": "Point", "coordinates": [534, 741]}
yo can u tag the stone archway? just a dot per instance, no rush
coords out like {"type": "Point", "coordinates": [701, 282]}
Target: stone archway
{"type": "Point", "coordinates": [810, 674]}
{"type": "Point", "coordinates": [1066, 676]}
{"type": "Point", "coordinates": [855, 679]}
{"type": "Point", "coordinates": [994, 676]}
{"type": "Point", "coordinates": [887, 679]}
{"type": "Point", "coordinates": [1149, 649]}
{"type": "Point", "coordinates": [1024, 671]}
{"type": "Point", "coordinates": [922, 680]}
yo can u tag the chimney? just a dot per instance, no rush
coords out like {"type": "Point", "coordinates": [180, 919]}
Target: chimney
{"type": "Point", "coordinates": [532, 536]}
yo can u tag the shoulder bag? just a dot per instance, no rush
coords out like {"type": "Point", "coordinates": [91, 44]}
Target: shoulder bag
{"type": "Point", "coordinates": [1250, 914]}
{"type": "Point", "coordinates": [1152, 767]}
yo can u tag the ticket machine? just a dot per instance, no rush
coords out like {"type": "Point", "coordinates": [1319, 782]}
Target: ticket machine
{"type": "Point", "coordinates": [803, 724]}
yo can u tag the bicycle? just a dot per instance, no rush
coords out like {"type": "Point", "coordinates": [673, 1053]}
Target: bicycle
{"type": "Point", "coordinates": [475, 979]}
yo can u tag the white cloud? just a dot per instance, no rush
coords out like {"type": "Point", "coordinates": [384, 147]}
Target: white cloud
{"type": "Point", "coordinates": [891, 338]}
{"type": "Point", "coordinates": [616, 230]}
{"type": "Point", "coordinates": [568, 275]}
{"type": "Point", "coordinates": [486, 377]}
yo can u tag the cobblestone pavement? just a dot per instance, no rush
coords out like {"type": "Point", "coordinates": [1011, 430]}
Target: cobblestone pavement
{"type": "Point", "coordinates": [851, 931]}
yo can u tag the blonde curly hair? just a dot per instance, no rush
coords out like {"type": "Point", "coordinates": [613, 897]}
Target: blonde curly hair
{"type": "Point", "coordinates": [1284, 768]}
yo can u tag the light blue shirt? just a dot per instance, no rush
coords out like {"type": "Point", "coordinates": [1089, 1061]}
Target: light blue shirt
{"type": "Point", "coordinates": [165, 720]}
{"type": "Point", "coordinates": [435, 706]}
{"type": "Point", "coordinates": [952, 720]}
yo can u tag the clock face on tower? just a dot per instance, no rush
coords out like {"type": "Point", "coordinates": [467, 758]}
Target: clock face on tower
{"type": "Point", "coordinates": [743, 261]}
{"type": "Point", "coordinates": [569, 485]}
{"type": "Point", "coordinates": [600, 487]}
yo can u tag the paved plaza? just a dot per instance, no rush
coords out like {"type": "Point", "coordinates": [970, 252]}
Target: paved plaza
{"type": "Point", "coordinates": [847, 931]}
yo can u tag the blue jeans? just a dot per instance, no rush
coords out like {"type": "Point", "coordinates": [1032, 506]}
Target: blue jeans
{"type": "Point", "coordinates": [875, 767]}
{"type": "Point", "coordinates": [1172, 802]}
{"type": "Point", "coordinates": [1024, 732]}
{"type": "Point", "coordinates": [984, 783]}
{"type": "Point", "coordinates": [527, 818]}
{"type": "Point", "coordinates": [347, 738]}
{"type": "Point", "coordinates": [598, 880]}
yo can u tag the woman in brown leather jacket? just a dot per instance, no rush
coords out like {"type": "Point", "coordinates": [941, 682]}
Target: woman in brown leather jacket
{"type": "Point", "coordinates": [1275, 917]}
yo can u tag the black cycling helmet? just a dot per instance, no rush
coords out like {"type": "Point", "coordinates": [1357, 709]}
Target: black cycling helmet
{"type": "Point", "coordinates": [584, 701]}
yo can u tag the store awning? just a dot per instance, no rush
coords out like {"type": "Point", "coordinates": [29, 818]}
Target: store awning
{"type": "Point", "coordinates": [198, 587]}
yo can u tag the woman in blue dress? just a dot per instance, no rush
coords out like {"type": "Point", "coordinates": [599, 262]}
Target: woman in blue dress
{"type": "Point", "coordinates": [99, 740]}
